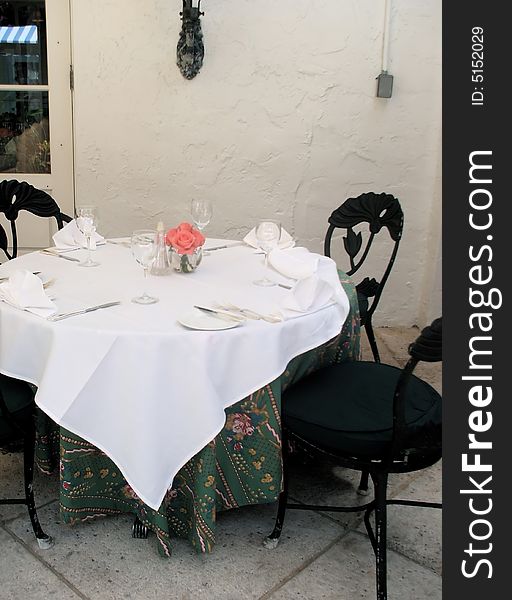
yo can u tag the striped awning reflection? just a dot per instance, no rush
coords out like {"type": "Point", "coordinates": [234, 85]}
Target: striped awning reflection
{"type": "Point", "coordinates": [18, 34]}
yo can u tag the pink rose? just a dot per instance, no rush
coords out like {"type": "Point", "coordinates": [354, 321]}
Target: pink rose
{"type": "Point", "coordinates": [184, 238]}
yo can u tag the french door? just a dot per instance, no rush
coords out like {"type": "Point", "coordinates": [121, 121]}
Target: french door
{"type": "Point", "coordinates": [36, 142]}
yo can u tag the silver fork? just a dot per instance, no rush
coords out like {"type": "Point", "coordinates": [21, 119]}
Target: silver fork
{"type": "Point", "coordinates": [251, 314]}
{"type": "Point", "coordinates": [59, 256]}
{"type": "Point", "coordinates": [60, 316]}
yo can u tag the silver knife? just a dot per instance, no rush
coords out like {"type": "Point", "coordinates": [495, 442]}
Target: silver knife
{"type": "Point", "coordinates": [221, 313]}
{"type": "Point", "coordinates": [215, 248]}
{"type": "Point", "coordinates": [59, 316]}
{"type": "Point", "coordinates": [224, 246]}
{"type": "Point", "coordinates": [60, 256]}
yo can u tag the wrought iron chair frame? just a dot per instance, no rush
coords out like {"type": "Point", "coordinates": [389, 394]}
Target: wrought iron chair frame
{"type": "Point", "coordinates": [378, 210]}
{"type": "Point", "coordinates": [398, 459]}
{"type": "Point", "coordinates": [27, 433]}
{"type": "Point", "coordinates": [20, 195]}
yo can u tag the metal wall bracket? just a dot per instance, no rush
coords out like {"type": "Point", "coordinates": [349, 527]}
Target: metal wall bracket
{"type": "Point", "coordinates": [190, 50]}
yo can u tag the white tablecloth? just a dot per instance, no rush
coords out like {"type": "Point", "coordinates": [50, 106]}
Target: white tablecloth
{"type": "Point", "coordinates": [131, 380]}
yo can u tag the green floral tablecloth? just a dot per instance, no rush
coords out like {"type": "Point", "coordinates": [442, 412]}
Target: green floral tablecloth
{"type": "Point", "coordinates": [241, 466]}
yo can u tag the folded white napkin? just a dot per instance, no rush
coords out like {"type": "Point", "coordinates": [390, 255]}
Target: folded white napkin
{"type": "Point", "coordinates": [308, 295]}
{"type": "Point", "coordinates": [70, 237]}
{"type": "Point", "coordinates": [25, 290]}
{"type": "Point", "coordinates": [285, 241]}
{"type": "Point", "coordinates": [295, 263]}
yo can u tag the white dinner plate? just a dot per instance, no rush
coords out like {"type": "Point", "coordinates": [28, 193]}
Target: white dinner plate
{"type": "Point", "coordinates": [195, 319]}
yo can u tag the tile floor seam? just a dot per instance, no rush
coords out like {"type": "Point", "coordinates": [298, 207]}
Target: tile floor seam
{"type": "Point", "coordinates": [268, 595]}
{"type": "Point", "coordinates": [304, 565]}
{"type": "Point", "coordinates": [360, 519]}
{"type": "Point", "coordinates": [22, 512]}
{"type": "Point", "coordinates": [354, 528]}
{"type": "Point", "coordinates": [405, 483]}
{"type": "Point", "coordinates": [45, 564]}
{"type": "Point", "coordinates": [400, 553]}
{"type": "Point", "coordinates": [396, 358]}
{"type": "Point", "coordinates": [325, 515]}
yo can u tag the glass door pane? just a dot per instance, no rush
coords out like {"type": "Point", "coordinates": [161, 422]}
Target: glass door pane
{"type": "Point", "coordinates": [24, 118]}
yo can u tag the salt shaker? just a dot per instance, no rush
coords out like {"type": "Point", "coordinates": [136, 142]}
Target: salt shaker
{"type": "Point", "coordinates": [161, 264]}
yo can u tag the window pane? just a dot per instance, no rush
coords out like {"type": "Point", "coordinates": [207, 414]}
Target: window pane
{"type": "Point", "coordinates": [24, 132]}
{"type": "Point", "coordinates": [23, 42]}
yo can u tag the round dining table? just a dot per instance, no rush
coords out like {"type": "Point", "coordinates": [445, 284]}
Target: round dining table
{"type": "Point", "coordinates": [155, 409]}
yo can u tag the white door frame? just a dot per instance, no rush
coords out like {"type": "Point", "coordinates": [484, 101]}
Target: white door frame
{"type": "Point", "coordinates": [35, 232]}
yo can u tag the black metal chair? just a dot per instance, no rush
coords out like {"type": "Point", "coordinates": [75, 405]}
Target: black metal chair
{"type": "Point", "coordinates": [369, 417]}
{"type": "Point", "coordinates": [18, 429]}
{"type": "Point", "coordinates": [20, 195]}
{"type": "Point", "coordinates": [378, 210]}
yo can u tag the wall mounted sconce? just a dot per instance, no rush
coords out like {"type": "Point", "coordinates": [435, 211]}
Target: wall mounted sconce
{"type": "Point", "coordinates": [190, 50]}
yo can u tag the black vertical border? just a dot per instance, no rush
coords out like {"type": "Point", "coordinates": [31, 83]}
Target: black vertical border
{"type": "Point", "coordinates": [468, 128]}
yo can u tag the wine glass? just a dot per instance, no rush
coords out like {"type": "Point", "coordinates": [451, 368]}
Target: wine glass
{"type": "Point", "coordinates": [201, 211]}
{"type": "Point", "coordinates": [268, 233]}
{"type": "Point", "coordinates": [87, 221]}
{"type": "Point", "coordinates": [144, 247]}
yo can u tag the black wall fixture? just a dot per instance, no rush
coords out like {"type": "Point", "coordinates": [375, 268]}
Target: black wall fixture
{"type": "Point", "coordinates": [190, 50]}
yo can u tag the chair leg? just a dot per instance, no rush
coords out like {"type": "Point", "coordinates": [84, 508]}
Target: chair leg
{"type": "Point", "coordinates": [139, 530]}
{"type": "Point", "coordinates": [371, 338]}
{"type": "Point", "coordinates": [362, 490]}
{"type": "Point", "coordinates": [44, 541]}
{"type": "Point", "coordinates": [272, 540]}
{"type": "Point", "coordinates": [380, 481]}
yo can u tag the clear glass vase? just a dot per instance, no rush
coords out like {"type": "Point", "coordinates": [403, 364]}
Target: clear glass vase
{"type": "Point", "coordinates": [186, 263]}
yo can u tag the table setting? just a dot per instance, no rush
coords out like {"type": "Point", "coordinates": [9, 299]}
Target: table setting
{"type": "Point", "coordinates": [77, 234]}
{"type": "Point", "coordinates": [181, 248]}
{"type": "Point", "coordinates": [120, 354]}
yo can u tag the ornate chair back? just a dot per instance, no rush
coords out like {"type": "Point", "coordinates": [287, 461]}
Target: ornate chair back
{"type": "Point", "coordinates": [20, 195]}
{"type": "Point", "coordinates": [379, 211]}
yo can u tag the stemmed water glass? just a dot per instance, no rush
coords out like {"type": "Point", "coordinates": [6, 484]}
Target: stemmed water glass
{"type": "Point", "coordinates": [268, 233]}
{"type": "Point", "coordinates": [144, 247]}
{"type": "Point", "coordinates": [201, 211]}
{"type": "Point", "coordinates": [87, 221]}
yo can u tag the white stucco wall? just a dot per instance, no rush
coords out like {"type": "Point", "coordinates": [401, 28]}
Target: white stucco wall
{"type": "Point", "coordinates": [282, 119]}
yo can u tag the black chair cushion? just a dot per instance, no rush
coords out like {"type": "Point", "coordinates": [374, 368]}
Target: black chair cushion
{"type": "Point", "coordinates": [19, 399]}
{"type": "Point", "coordinates": [347, 408]}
